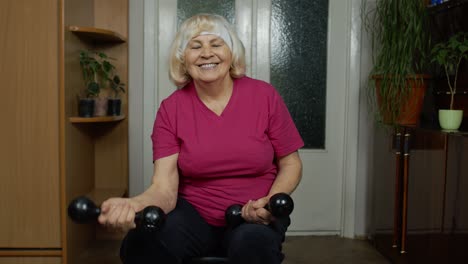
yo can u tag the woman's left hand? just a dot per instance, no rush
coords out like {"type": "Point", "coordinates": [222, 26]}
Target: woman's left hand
{"type": "Point", "coordinates": [255, 212]}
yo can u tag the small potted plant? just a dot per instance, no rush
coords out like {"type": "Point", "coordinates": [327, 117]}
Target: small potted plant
{"type": "Point", "coordinates": [110, 79]}
{"type": "Point", "coordinates": [98, 72]}
{"type": "Point", "coordinates": [105, 73]}
{"type": "Point", "coordinates": [115, 102]}
{"type": "Point", "coordinates": [449, 55]}
{"type": "Point", "coordinates": [90, 68]}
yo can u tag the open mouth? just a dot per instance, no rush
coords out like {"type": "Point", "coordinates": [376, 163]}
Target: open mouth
{"type": "Point", "coordinates": [208, 66]}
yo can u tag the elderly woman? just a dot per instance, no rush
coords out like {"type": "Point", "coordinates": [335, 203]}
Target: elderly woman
{"type": "Point", "coordinates": [221, 138]}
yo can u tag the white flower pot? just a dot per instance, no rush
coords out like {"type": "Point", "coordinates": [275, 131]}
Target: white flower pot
{"type": "Point", "coordinates": [450, 119]}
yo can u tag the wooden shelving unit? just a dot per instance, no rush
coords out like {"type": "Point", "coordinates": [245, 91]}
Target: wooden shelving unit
{"type": "Point", "coordinates": [97, 147]}
{"type": "Point", "coordinates": [98, 119]}
{"type": "Point", "coordinates": [94, 34]}
{"type": "Point", "coordinates": [75, 159]}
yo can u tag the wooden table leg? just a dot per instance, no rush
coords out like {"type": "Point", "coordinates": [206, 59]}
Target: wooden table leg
{"type": "Point", "coordinates": [442, 225]}
{"type": "Point", "coordinates": [396, 202]}
{"type": "Point", "coordinates": [404, 218]}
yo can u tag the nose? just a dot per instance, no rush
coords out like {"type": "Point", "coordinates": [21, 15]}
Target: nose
{"type": "Point", "coordinates": [207, 52]}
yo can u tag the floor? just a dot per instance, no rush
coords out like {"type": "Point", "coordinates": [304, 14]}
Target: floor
{"type": "Point", "coordinates": [298, 250]}
{"type": "Point", "coordinates": [330, 250]}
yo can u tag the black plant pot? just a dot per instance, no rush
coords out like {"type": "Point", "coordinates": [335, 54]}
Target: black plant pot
{"type": "Point", "coordinates": [114, 107]}
{"type": "Point", "coordinates": [86, 107]}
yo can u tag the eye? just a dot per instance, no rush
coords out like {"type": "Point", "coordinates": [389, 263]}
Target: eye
{"type": "Point", "coordinates": [195, 46]}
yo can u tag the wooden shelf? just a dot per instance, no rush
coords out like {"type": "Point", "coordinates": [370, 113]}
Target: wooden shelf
{"type": "Point", "coordinates": [97, 34]}
{"type": "Point", "coordinates": [99, 195]}
{"type": "Point", "coordinates": [98, 119]}
{"type": "Point", "coordinates": [30, 252]}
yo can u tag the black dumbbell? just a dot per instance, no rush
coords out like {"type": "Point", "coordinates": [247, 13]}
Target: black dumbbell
{"type": "Point", "coordinates": [279, 205]}
{"type": "Point", "coordinates": [82, 210]}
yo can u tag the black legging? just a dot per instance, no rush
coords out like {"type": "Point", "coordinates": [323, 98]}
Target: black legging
{"type": "Point", "coordinates": [186, 235]}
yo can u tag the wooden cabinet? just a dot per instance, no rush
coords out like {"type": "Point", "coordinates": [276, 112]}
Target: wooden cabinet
{"type": "Point", "coordinates": [420, 174]}
{"type": "Point", "coordinates": [420, 179]}
{"type": "Point", "coordinates": [29, 152]}
{"type": "Point", "coordinates": [47, 156]}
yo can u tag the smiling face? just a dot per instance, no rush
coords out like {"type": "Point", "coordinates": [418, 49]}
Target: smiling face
{"type": "Point", "coordinates": [208, 59]}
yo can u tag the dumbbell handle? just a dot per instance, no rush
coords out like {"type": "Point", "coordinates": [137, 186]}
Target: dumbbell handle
{"type": "Point", "coordinates": [83, 210]}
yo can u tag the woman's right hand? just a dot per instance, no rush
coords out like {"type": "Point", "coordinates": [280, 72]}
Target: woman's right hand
{"type": "Point", "coordinates": [119, 213]}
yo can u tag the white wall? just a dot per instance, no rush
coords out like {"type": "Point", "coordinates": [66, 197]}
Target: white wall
{"type": "Point", "coordinates": [365, 138]}
{"type": "Point", "coordinates": [135, 101]}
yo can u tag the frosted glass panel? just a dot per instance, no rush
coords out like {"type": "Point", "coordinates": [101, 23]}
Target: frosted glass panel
{"type": "Point", "coordinates": [299, 63]}
{"type": "Point", "coordinates": [188, 8]}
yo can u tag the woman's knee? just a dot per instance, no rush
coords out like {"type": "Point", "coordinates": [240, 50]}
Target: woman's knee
{"type": "Point", "coordinates": [141, 247]}
{"type": "Point", "coordinates": [184, 234]}
{"type": "Point", "coordinates": [253, 243]}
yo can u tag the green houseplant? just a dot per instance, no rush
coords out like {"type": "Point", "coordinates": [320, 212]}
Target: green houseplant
{"type": "Point", "coordinates": [90, 68]}
{"type": "Point", "coordinates": [110, 79]}
{"type": "Point", "coordinates": [98, 73]}
{"type": "Point", "coordinates": [400, 43]}
{"type": "Point", "coordinates": [449, 55]}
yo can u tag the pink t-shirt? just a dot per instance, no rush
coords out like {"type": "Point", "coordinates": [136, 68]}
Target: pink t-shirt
{"type": "Point", "coordinates": [229, 158]}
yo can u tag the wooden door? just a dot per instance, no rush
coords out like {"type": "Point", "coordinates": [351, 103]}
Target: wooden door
{"type": "Point", "coordinates": [29, 136]}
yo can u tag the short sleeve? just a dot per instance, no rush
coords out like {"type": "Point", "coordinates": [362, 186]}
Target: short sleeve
{"type": "Point", "coordinates": [282, 131]}
{"type": "Point", "coordinates": [164, 136]}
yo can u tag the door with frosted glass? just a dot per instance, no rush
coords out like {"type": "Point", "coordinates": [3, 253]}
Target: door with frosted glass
{"type": "Point", "coordinates": [300, 47]}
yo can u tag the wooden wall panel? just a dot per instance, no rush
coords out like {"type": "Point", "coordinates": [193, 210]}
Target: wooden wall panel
{"type": "Point", "coordinates": [79, 143]}
{"type": "Point", "coordinates": [79, 12]}
{"type": "Point", "coordinates": [29, 161]}
{"type": "Point", "coordinates": [111, 158]}
{"type": "Point", "coordinates": [112, 15]}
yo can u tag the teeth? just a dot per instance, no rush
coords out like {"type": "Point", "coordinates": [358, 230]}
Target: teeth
{"type": "Point", "coordinates": [210, 65]}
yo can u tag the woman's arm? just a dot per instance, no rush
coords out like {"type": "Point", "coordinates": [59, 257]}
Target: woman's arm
{"type": "Point", "coordinates": [164, 187]}
{"type": "Point", "coordinates": [119, 213]}
{"type": "Point", "coordinates": [289, 174]}
{"type": "Point", "coordinates": [288, 178]}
